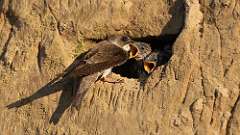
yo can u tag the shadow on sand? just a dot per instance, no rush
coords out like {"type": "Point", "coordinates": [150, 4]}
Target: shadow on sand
{"type": "Point", "coordinates": [68, 87]}
{"type": "Point", "coordinates": [64, 102]}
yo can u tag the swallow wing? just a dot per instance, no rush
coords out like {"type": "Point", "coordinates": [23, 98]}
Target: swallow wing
{"type": "Point", "coordinates": [107, 55]}
{"type": "Point", "coordinates": [79, 61]}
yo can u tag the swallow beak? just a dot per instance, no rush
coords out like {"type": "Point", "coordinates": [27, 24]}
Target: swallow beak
{"type": "Point", "coordinates": [138, 57]}
{"type": "Point", "coordinates": [133, 51]}
{"type": "Point", "coordinates": [149, 66]}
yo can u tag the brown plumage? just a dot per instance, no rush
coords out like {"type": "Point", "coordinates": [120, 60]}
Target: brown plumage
{"type": "Point", "coordinates": [94, 63]}
{"type": "Point", "coordinates": [104, 56]}
{"type": "Point", "coordinates": [111, 53]}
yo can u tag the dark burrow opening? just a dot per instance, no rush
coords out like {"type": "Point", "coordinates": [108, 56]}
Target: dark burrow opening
{"type": "Point", "coordinates": [163, 44]}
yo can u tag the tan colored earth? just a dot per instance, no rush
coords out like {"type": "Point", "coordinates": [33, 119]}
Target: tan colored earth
{"type": "Point", "coordinates": [198, 95]}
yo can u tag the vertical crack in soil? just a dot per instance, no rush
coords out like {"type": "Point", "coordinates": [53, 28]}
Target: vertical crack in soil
{"type": "Point", "coordinates": [5, 47]}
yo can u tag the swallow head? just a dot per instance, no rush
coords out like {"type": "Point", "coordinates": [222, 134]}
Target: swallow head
{"type": "Point", "coordinates": [120, 40]}
{"type": "Point", "coordinates": [136, 50]}
{"type": "Point", "coordinates": [139, 50]}
{"type": "Point", "coordinates": [150, 62]}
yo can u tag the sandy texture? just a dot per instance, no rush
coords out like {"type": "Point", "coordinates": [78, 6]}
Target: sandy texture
{"type": "Point", "coordinates": [198, 95]}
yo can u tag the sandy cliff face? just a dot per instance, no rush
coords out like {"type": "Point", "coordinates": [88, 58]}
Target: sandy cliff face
{"type": "Point", "coordinates": [198, 93]}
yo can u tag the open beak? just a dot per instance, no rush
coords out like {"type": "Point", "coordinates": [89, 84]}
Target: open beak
{"type": "Point", "coordinates": [149, 66]}
{"type": "Point", "coordinates": [133, 51]}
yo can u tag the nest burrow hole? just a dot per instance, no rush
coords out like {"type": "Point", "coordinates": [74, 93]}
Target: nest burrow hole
{"type": "Point", "coordinates": [163, 44]}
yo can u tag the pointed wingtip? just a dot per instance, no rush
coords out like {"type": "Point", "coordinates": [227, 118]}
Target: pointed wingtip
{"type": "Point", "coordinates": [12, 105]}
{"type": "Point", "coordinates": [17, 104]}
{"type": "Point", "coordinates": [53, 121]}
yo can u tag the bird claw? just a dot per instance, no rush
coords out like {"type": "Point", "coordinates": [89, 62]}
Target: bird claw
{"type": "Point", "coordinates": [114, 82]}
{"type": "Point", "coordinates": [119, 81]}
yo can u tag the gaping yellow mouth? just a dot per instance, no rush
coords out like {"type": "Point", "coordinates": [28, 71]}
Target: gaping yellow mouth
{"type": "Point", "coordinates": [133, 51]}
{"type": "Point", "coordinates": [149, 66]}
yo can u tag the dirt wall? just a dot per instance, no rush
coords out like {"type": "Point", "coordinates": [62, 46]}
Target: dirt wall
{"type": "Point", "coordinates": [198, 93]}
